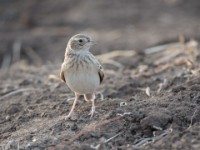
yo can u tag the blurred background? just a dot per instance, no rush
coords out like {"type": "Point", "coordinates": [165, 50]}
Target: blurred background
{"type": "Point", "coordinates": [37, 31]}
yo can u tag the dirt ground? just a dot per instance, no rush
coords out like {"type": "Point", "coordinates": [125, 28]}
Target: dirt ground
{"type": "Point", "coordinates": [149, 99]}
{"type": "Point", "coordinates": [156, 100]}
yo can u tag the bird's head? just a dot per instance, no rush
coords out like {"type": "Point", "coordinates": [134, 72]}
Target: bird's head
{"type": "Point", "coordinates": [80, 42]}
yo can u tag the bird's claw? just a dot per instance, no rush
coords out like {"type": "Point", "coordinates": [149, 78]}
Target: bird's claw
{"type": "Point", "coordinates": [91, 114]}
{"type": "Point", "coordinates": [67, 117]}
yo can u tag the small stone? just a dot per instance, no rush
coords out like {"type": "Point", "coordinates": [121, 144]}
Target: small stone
{"type": "Point", "coordinates": [8, 117]}
{"type": "Point", "coordinates": [74, 127]}
{"type": "Point", "coordinates": [122, 104]}
{"type": "Point", "coordinates": [42, 114]}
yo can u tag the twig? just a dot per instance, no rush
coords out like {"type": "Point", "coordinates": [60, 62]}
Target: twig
{"type": "Point", "coordinates": [152, 139]}
{"type": "Point", "coordinates": [106, 141]}
{"type": "Point", "coordinates": [115, 63]}
{"type": "Point", "coordinates": [163, 67]}
{"type": "Point", "coordinates": [116, 53]}
{"type": "Point", "coordinates": [159, 48]}
{"type": "Point", "coordinates": [167, 57]}
{"type": "Point", "coordinates": [86, 130]}
{"type": "Point", "coordinates": [157, 128]}
{"type": "Point", "coordinates": [92, 127]}
{"type": "Point", "coordinates": [191, 120]}
{"type": "Point", "coordinates": [108, 58]}
{"type": "Point", "coordinates": [147, 91]}
{"type": "Point", "coordinates": [122, 115]}
{"type": "Point", "coordinates": [14, 92]}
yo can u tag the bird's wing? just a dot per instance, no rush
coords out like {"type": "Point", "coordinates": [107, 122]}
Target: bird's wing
{"type": "Point", "coordinates": [101, 73]}
{"type": "Point", "coordinates": [62, 76]}
{"type": "Point", "coordinates": [100, 69]}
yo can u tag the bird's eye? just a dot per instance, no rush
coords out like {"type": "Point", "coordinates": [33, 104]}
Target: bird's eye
{"type": "Point", "coordinates": [80, 40]}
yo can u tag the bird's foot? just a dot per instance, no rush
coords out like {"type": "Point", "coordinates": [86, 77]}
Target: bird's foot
{"type": "Point", "coordinates": [68, 116]}
{"type": "Point", "coordinates": [72, 117]}
{"type": "Point", "coordinates": [86, 100]}
{"type": "Point", "coordinates": [92, 111]}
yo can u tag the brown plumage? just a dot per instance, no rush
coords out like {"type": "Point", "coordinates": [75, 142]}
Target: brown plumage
{"type": "Point", "coordinates": [101, 74]}
{"type": "Point", "coordinates": [62, 76]}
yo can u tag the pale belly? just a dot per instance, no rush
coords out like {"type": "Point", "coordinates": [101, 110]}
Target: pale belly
{"type": "Point", "coordinates": [83, 81]}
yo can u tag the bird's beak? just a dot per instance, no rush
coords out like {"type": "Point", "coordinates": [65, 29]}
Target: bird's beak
{"type": "Point", "coordinates": [92, 43]}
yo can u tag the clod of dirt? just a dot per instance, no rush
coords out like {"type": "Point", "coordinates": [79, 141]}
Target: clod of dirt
{"type": "Point", "coordinates": [195, 87]}
{"type": "Point", "coordinates": [12, 145]}
{"type": "Point", "coordinates": [156, 120]}
{"type": "Point", "coordinates": [74, 127]}
{"type": "Point", "coordinates": [13, 108]}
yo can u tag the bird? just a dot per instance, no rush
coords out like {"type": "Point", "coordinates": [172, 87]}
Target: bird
{"type": "Point", "coordinates": [81, 71]}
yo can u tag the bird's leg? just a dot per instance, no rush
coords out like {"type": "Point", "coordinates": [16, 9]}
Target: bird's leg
{"type": "Point", "coordinates": [92, 111]}
{"type": "Point", "coordinates": [86, 98]}
{"type": "Point", "coordinates": [73, 106]}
